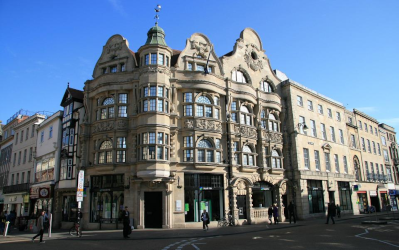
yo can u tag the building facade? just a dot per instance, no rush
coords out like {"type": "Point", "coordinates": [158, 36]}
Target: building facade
{"type": "Point", "coordinates": [21, 171]}
{"type": "Point", "coordinates": [317, 154]}
{"type": "Point", "coordinates": [65, 205]}
{"type": "Point", "coordinates": [168, 140]}
{"type": "Point", "coordinates": [46, 163]}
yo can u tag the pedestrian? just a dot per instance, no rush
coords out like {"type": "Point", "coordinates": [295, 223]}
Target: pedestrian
{"type": "Point", "coordinates": [270, 213]}
{"type": "Point", "coordinates": [291, 211]}
{"type": "Point", "coordinates": [275, 214]}
{"type": "Point", "coordinates": [205, 220]}
{"type": "Point", "coordinates": [40, 228]}
{"type": "Point", "coordinates": [331, 212]}
{"type": "Point", "coordinates": [2, 222]}
{"type": "Point", "coordinates": [127, 230]}
{"type": "Point", "coordinates": [338, 211]}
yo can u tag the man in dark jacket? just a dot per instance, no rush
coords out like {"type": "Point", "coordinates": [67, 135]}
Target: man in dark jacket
{"type": "Point", "coordinates": [331, 212]}
{"type": "Point", "coordinates": [40, 228]}
{"type": "Point", "coordinates": [126, 223]}
{"type": "Point", "coordinates": [291, 211]}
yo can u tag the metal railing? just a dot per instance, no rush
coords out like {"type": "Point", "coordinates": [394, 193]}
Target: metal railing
{"type": "Point", "coordinates": [24, 187]}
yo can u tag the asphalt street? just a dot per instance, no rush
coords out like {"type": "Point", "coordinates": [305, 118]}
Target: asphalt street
{"type": "Point", "coordinates": [347, 233]}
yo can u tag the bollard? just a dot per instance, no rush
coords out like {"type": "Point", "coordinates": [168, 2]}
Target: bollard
{"type": "Point", "coordinates": [6, 229]}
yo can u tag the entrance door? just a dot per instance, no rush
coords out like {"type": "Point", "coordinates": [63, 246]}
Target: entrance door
{"type": "Point", "coordinates": [153, 209]}
{"type": "Point", "coordinates": [375, 202]}
{"type": "Point", "coordinates": [242, 206]}
{"type": "Point", "coordinates": [331, 196]}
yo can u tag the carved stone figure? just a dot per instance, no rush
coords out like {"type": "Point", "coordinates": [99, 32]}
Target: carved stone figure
{"type": "Point", "coordinates": [189, 123]}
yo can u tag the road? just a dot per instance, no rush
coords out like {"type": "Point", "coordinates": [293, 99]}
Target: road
{"type": "Point", "coordinates": [345, 234]}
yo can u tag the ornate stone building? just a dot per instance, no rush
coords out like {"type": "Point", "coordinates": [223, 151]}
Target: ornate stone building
{"type": "Point", "coordinates": [169, 133]}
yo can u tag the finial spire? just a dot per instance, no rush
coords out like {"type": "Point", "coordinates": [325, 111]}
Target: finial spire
{"type": "Point", "coordinates": [68, 84]}
{"type": "Point", "coordinates": [157, 10]}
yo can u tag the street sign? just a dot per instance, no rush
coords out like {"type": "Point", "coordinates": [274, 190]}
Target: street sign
{"type": "Point", "coordinates": [81, 180]}
{"type": "Point", "coordinates": [79, 196]}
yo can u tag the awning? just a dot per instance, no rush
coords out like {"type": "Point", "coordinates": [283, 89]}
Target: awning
{"type": "Point", "coordinates": [362, 192]}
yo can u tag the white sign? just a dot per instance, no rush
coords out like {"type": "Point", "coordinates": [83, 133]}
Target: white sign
{"type": "Point", "coordinates": [79, 204]}
{"type": "Point", "coordinates": [79, 196]}
{"type": "Point", "coordinates": [178, 205]}
{"type": "Point", "coordinates": [81, 180]}
{"type": "Point", "coordinates": [373, 193]}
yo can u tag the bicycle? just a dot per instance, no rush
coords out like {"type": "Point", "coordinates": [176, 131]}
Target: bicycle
{"type": "Point", "coordinates": [228, 222]}
{"type": "Point", "coordinates": [76, 230]}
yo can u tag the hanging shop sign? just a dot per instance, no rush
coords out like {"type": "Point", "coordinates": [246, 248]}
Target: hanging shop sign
{"type": "Point", "coordinates": [34, 192]}
{"type": "Point", "coordinates": [44, 192]}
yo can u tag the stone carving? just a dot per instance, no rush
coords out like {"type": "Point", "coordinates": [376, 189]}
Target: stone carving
{"type": "Point", "coordinates": [103, 126]}
{"type": "Point", "coordinates": [267, 178]}
{"type": "Point", "coordinates": [272, 137]}
{"type": "Point", "coordinates": [241, 185]}
{"type": "Point", "coordinates": [201, 48]}
{"type": "Point", "coordinates": [245, 131]}
{"type": "Point", "coordinates": [113, 47]}
{"type": "Point", "coordinates": [251, 57]}
{"type": "Point", "coordinates": [161, 70]}
{"type": "Point", "coordinates": [283, 188]}
{"type": "Point", "coordinates": [208, 124]}
{"type": "Point", "coordinates": [189, 124]}
{"type": "Point", "coordinates": [121, 124]}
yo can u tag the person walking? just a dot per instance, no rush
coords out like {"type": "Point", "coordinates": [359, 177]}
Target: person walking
{"type": "Point", "coordinates": [338, 211]}
{"type": "Point", "coordinates": [40, 228]}
{"type": "Point", "coordinates": [270, 213]}
{"type": "Point", "coordinates": [291, 211]}
{"type": "Point", "coordinates": [126, 223]}
{"type": "Point", "coordinates": [275, 214]}
{"type": "Point", "coordinates": [205, 220]}
{"type": "Point", "coordinates": [331, 212]}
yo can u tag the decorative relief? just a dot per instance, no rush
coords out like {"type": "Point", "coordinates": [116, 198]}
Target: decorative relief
{"type": "Point", "coordinates": [161, 70]}
{"type": "Point", "coordinates": [201, 48]}
{"type": "Point", "coordinates": [272, 137]}
{"type": "Point", "coordinates": [204, 124]}
{"type": "Point", "coordinates": [251, 57]}
{"type": "Point", "coordinates": [103, 126]}
{"type": "Point", "coordinates": [245, 131]}
{"type": "Point", "coordinates": [113, 47]}
{"type": "Point", "coordinates": [283, 188]}
{"type": "Point", "coordinates": [189, 124]}
{"type": "Point", "coordinates": [121, 124]}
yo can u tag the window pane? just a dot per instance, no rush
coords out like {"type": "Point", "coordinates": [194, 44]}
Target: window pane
{"type": "Point", "coordinates": [160, 59]}
{"type": "Point", "coordinates": [200, 110]}
{"type": "Point", "coordinates": [122, 98]}
{"type": "Point", "coordinates": [160, 105]}
{"type": "Point", "coordinates": [160, 91]}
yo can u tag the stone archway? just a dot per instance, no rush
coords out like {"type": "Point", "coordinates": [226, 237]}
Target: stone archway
{"type": "Point", "coordinates": [242, 199]}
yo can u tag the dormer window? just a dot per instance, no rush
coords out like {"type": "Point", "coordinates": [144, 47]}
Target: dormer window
{"type": "Point", "coordinates": [238, 76]}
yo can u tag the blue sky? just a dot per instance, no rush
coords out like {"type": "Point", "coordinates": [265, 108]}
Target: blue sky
{"type": "Point", "coordinates": [347, 50]}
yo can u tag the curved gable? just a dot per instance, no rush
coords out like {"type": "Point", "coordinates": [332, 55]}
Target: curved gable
{"type": "Point", "coordinates": [198, 49]}
{"type": "Point", "coordinates": [115, 53]}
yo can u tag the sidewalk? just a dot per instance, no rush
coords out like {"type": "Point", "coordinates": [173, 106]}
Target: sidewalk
{"type": "Point", "coordinates": [145, 234]}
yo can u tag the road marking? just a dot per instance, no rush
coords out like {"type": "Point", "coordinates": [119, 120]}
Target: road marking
{"type": "Point", "coordinates": [366, 238]}
{"type": "Point", "coordinates": [183, 243]}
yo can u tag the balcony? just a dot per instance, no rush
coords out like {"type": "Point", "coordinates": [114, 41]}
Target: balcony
{"type": "Point", "coordinates": [370, 177]}
{"type": "Point", "coordinates": [19, 188]}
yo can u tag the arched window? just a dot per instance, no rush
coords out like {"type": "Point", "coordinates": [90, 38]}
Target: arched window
{"type": "Point", "coordinates": [265, 86]}
{"type": "Point", "coordinates": [238, 76]}
{"type": "Point", "coordinates": [247, 156]}
{"type": "Point", "coordinates": [108, 101]}
{"type": "Point", "coordinates": [205, 108]}
{"type": "Point", "coordinates": [105, 155]}
{"type": "Point", "coordinates": [111, 105]}
{"type": "Point", "coordinates": [246, 117]}
{"type": "Point", "coordinates": [273, 123]}
{"type": "Point", "coordinates": [107, 112]}
{"type": "Point", "coordinates": [205, 151]}
{"type": "Point", "coordinates": [276, 159]}
{"type": "Point", "coordinates": [357, 168]}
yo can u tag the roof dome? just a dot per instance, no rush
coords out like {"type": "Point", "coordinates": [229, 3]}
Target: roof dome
{"type": "Point", "coordinates": [156, 36]}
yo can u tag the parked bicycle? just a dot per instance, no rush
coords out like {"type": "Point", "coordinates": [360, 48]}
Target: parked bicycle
{"type": "Point", "coordinates": [228, 222]}
{"type": "Point", "coordinates": [76, 230]}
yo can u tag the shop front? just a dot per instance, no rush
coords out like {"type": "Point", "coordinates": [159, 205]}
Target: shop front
{"type": "Point", "coordinates": [106, 199]}
{"type": "Point", "coordinates": [362, 201]}
{"type": "Point", "coordinates": [393, 199]}
{"type": "Point", "coordinates": [203, 192]}
{"type": "Point", "coordinates": [41, 200]}
{"type": "Point", "coordinates": [315, 196]}
{"type": "Point", "coordinates": [345, 196]}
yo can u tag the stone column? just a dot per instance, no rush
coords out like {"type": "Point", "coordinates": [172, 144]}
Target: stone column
{"type": "Point", "coordinates": [251, 218]}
